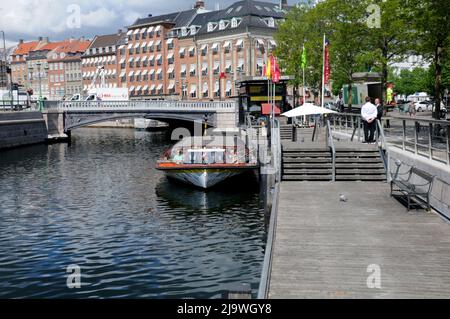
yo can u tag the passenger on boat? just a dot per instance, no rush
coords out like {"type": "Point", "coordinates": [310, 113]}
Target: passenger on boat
{"type": "Point", "coordinates": [179, 158]}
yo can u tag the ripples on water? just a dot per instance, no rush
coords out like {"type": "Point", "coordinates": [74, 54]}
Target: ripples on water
{"type": "Point", "coordinates": [100, 204]}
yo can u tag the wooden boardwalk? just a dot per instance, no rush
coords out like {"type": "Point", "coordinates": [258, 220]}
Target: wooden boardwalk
{"type": "Point", "coordinates": [323, 246]}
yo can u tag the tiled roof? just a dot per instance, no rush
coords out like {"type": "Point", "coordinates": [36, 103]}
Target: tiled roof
{"type": "Point", "coordinates": [102, 41]}
{"type": "Point", "coordinates": [25, 48]}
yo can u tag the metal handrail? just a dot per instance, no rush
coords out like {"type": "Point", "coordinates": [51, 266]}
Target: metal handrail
{"type": "Point", "coordinates": [276, 148]}
{"type": "Point", "coordinates": [264, 282]}
{"type": "Point", "coordinates": [333, 149]}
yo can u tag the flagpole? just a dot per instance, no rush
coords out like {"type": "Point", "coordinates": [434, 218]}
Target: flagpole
{"type": "Point", "coordinates": [323, 73]}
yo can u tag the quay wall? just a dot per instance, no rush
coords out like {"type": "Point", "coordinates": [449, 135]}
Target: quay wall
{"type": "Point", "coordinates": [21, 128]}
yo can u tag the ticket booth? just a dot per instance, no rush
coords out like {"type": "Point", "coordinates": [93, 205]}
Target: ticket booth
{"type": "Point", "coordinates": [254, 99]}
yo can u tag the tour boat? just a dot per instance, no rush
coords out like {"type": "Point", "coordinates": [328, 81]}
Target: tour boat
{"type": "Point", "coordinates": [208, 160]}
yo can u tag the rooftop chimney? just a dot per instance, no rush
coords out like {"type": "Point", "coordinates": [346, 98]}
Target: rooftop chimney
{"type": "Point", "coordinates": [199, 4]}
{"type": "Point", "coordinates": [40, 39]}
{"type": "Point", "coordinates": [150, 15]}
{"type": "Point", "coordinates": [283, 4]}
{"type": "Point", "coordinates": [20, 41]}
{"type": "Point", "coordinates": [119, 31]}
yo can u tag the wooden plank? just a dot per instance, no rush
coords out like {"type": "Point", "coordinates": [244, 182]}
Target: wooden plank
{"type": "Point", "coordinates": [323, 246]}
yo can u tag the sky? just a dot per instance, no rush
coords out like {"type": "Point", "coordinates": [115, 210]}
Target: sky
{"type": "Point", "coordinates": [62, 19]}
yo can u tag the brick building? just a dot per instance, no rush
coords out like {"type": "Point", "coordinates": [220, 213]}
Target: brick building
{"type": "Point", "coordinates": [19, 68]}
{"type": "Point", "coordinates": [101, 54]}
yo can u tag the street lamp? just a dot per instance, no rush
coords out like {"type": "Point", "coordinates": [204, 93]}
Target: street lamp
{"type": "Point", "coordinates": [39, 70]}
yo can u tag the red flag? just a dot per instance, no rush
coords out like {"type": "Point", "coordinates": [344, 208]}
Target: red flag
{"type": "Point", "coordinates": [327, 62]}
{"type": "Point", "coordinates": [276, 74]}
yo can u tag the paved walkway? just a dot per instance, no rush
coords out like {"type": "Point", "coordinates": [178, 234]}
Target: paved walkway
{"type": "Point", "coordinates": [324, 246]}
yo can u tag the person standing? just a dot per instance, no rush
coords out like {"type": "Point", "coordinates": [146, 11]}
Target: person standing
{"type": "Point", "coordinates": [369, 115]}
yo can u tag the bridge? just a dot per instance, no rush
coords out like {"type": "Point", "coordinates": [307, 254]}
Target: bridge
{"type": "Point", "coordinates": [63, 116]}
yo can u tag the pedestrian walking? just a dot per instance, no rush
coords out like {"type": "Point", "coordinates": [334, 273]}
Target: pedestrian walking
{"type": "Point", "coordinates": [412, 109]}
{"type": "Point", "coordinates": [369, 115]}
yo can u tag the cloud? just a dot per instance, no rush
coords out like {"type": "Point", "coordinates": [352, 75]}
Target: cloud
{"type": "Point", "coordinates": [29, 19]}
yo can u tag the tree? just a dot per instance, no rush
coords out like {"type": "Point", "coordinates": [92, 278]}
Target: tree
{"type": "Point", "coordinates": [390, 39]}
{"type": "Point", "coordinates": [409, 82]}
{"type": "Point", "coordinates": [432, 23]}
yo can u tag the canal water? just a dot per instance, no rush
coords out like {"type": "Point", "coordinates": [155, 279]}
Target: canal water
{"type": "Point", "coordinates": [99, 204]}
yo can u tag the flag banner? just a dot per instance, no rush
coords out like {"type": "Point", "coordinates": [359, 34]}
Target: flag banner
{"type": "Point", "coordinates": [268, 72]}
{"type": "Point", "coordinates": [276, 73]}
{"type": "Point", "coordinates": [304, 58]}
{"type": "Point", "coordinates": [327, 62]}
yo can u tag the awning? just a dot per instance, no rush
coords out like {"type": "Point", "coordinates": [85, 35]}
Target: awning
{"type": "Point", "coordinates": [183, 68]}
{"type": "Point", "coordinates": [150, 44]}
{"type": "Point", "coordinates": [170, 56]}
{"type": "Point", "coordinates": [158, 57]}
{"type": "Point", "coordinates": [129, 32]}
{"type": "Point", "coordinates": [203, 47]}
{"type": "Point", "coordinates": [205, 66]}
{"type": "Point", "coordinates": [144, 72]}
{"type": "Point", "coordinates": [136, 31]}
{"type": "Point", "coordinates": [121, 46]}
{"type": "Point", "coordinates": [240, 63]}
{"type": "Point", "coordinates": [216, 87]}
{"type": "Point", "coordinates": [95, 60]}
{"type": "Point", "coordinates": [145, 88]}
{"type": "Point", "coordinates": [109, 59]}
{"type": "Point", "coordinates": [114, 71]}
{"type": "Point", "coordinates": [157, 28]}
{"type": "Point", "coordinates": [307, 109]}
{"type": "Point", "coordinates": [267, 109]}
{"type": "Point", "coordinates": [169, 41]}
{"type": "Point", "coordinates": [191, 49]}
{"type": "Point", "coordinates": [159, 87]}
{"type": "Point", "coordinates": [239, 42]}
{"type": "Point", "coordinates": [143, 45]}
{"type": "Point", "coordinates": [137, 45]}
{"type": "Point", "coordinates": [273, 43]}
{"type": "Point", "coordinates": [260, 42]}
{"type": "Point", "coordinates": [226, 44]}
{"type": "Point", "coordinates": [193, 67]}
{"type": "Point", "coordinates": [131, 73]}
{"type": "Point", "coordinates": [138, 72]}
{"type": "Point", "coordinates": [139, 88]}
{"type": "Point", "coordinates": [215, 46]}
{"type": "Point", "coordinates": [181, 51]}
{"type": "Point", "coordinates": [131, 89]}
{"type": "Point", "coordinates": [152, 71]}
{"type": "Point", "coordinates": [216, 65]}
{"type": "Point", "coordinates": [170, 70]}
{"type": "Point", "coordinates": [151, 58]}
{"type": "Point", "coordinates": [130, 59]}
{"type": "Point", "coordinates": [144, 58]}
{"type": "Point", "coordinates": [152, 87]}
{"type": "Point", "coordinates": [122, 74]}
{"type": "Point", "coordinates": [159, 71]}
{"type": "Point", "coordinates": [205, 87]}
{"type": "Point", "coordinates": [228, 64]}
{"type": "Point", "coordinates": [228, 86]}
{"type": "Point", "coordinates": [137, 59]}
{"type": "Point", "coordinates": [143, 30]}
{"type": "Point", "coordinates": [171, 85]}
{"type": "Point", "coordinates": [150, 30]}
{"type": "Point", "coordinates": [158, 42]}
{"type": "Point", "coordinates": [130, 46]}
{"type": "Point", "coordinates": [193, 88]}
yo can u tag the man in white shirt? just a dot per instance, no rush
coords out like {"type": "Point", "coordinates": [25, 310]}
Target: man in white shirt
{"type": "Point", "coordinates": [369, 115]}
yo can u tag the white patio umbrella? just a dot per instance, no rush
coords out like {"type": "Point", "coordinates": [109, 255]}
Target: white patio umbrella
{"type": "Point", "coordinates": [307, 109]}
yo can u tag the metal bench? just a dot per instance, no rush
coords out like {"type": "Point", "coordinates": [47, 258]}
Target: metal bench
{"type": "Point", "coordinates": [406, 187]}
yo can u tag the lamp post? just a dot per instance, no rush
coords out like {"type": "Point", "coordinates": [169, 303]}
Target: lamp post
{"type": "Point", "coordinates": [39, 71]}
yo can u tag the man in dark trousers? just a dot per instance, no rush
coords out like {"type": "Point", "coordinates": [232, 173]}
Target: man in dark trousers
{"type": "Point", "coordinates": [379, 112]}
{"type": "Point", "coordinates": [369, 115]}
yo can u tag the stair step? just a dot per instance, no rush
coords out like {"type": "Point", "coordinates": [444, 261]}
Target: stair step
{"type": "Point", "coordinates": [307, 154]}
{"type": "Point", "coordinates": [308, 171]}
{"type": "Point", "coordinates": [359, 160]}
{"type": "Point", "coordinates": [307, 165]}
{"type": "Point", "coordinates": [307, 177]}
{"type": "Point", "coordinates": [307, 160]}
{"type": "Point", "coordinates": [358, 154]}
{"type": "Point", "coordinates": [359, 171]}
{"type": "Point", "coordinates": [360, 177]}
{"type": "Point", "coordinates": [359, 165]}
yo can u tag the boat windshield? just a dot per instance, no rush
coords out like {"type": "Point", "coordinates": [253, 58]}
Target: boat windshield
{"type": "Point", "coordinates": [207, 156]}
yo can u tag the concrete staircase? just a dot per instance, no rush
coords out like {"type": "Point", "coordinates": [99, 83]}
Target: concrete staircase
{"type": "Point", "coordinates": [302, 163]}
{"type": "Point", "coordinates": [286, 132]}
{"type": "Point", "coordinates": [312, 161]}
{"type": "Point", "coordinates": [359, 163]}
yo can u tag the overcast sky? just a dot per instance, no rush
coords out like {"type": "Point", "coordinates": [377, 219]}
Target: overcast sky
{"type": "Point", "coordinates": [58, 19]}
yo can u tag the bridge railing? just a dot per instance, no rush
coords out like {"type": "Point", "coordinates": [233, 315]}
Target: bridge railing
{"type": "Point", "coordinates": [142, 105]}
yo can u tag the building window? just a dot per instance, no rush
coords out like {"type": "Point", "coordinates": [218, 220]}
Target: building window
{"type": "Point", "coordinates": [131, 51]}
{"type": "Point", "coordinates": [204, 50]}
{"type": "Point", "coordinates": [131, 64]}
{"type": "Point", "coordinates": [205, 90]}
{"type": "Point", "coordinates": [193, 92]}
{"type": "Point", "coordinates": [144, 49]}
{"type": "Point", "coordinates": [191, 52]}
{"type": "Point", "coordinates": [205, 69]}
{"type": "Point", "coordinates": [193, 70]}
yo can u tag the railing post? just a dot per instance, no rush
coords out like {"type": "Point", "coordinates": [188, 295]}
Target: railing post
{"type": "Point", "coordinates": [404, 134]}
{"type": "Point", "coordinates": [430, 138]}
{"type": "Point", "coordinates": [359, 129]}
{"type": "Point", "coordinates": [448, 144]}
{"type": "Point", "coordinates": [416, 138]}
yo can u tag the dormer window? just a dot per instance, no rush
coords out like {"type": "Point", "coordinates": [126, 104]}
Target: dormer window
{"type": "Point", "coordinates": [222, 25]}
{"type": "Point", "coordinates": [234, 23]}
{"type": "Point", "coordinates": [270, 22]}
{"type": "Point", "coordinates": [193, 30]}
{"type": "Point", "coordinates": [183, 31]}
{"type": "Point", "coordinates": [210, 26]}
